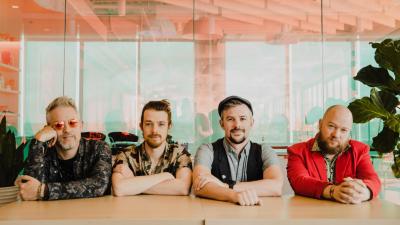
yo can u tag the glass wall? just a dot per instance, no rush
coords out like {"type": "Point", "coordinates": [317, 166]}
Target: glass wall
{"type": "Point", "coordinates": [291, 59]}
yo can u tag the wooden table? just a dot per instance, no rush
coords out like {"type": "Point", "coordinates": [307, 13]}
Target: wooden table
{"type": "Point", "coordinates": [151, 209]}
{"type": "Point", "coordinates": [143, 209]}
{"type": "Point", "coordinates": [293, 210]}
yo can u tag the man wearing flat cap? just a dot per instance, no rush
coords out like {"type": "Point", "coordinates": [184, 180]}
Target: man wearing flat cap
{"type": "Point", "coordinates": [233, 168]}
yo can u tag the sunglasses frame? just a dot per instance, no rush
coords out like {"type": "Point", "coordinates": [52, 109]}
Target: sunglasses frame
{"type": "Point", "coordinates": [60, 125]}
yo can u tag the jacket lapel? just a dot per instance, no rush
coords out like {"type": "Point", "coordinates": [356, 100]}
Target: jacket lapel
{"type": "Point", "coordinates": [319, 162]}
{"type": "Point", "coordinates": [341, 166]}
{"type": "Point", "coordinates": [320, 165]}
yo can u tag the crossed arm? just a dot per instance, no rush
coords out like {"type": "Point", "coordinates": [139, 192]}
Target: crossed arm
{"type": "Point", "coordinates": [243, 193]}
{"type": "Point", "coordinates": [125, 183]}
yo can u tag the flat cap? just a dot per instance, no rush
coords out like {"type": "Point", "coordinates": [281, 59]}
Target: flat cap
{"type": "Point", "coordinates": [233, 97]}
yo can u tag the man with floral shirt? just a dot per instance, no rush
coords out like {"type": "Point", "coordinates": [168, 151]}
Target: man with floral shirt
{"type": "Point", "coordinates": [60, 164]}
{"type": "Point", "coordinates": [155, 166]}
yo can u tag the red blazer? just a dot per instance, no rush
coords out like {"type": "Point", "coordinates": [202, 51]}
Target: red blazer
{"type": "Point", "coordinates": [306, 170]}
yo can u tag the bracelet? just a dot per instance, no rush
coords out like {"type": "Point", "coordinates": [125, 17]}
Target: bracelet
{"type": "Point", "coordinates": [331, 190]}
{"type": "Point", "coordinates": [39, 192]}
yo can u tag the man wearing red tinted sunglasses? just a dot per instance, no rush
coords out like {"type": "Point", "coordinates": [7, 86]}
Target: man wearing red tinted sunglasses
{"type": "Point", "coordinates": [60, 164]}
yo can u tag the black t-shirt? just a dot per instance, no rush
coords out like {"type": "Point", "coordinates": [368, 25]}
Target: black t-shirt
{"type": "Point", "coordinates": [67, 168]}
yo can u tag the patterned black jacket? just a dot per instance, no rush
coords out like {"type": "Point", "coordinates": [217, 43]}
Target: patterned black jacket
{"type": "Point", "coordinates": [90, 176]}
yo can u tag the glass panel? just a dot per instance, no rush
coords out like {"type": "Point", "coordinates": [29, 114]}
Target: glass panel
{"type": "Point", "coordinates": [44, 80]}
{"type": "Point", "coordinates": [167, 73]}
{"type": "Point", "coordinates": [109, 87]}
{"type": "Point", "coordinates": [300, 55]}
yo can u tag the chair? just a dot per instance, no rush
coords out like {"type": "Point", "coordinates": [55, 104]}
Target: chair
{"type": "Point", "coordinates": [93, 136]}
{"type": "Point", "coordinates": [121, 140]}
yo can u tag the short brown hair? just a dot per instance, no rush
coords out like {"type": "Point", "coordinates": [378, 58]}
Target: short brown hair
{"type": "Point", "coordinates": [162, 105]}
{"type": "Point", "coordinates": [61, 101]}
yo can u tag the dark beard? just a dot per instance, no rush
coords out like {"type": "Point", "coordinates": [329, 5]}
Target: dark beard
{"type": "Point", "coordinates": [237, 142]}
{"type": "Point", "coordinates": [325, 149]}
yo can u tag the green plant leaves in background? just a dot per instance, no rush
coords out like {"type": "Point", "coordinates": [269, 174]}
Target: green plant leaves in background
{"type": "Point", "coordinates": [11, 158]}
{"type": "Point", "coordinates": [368, 108]}
{"type": "Point", "coordinates": [385, 141]}
{"type": "Point", "coordinates": [377, 77]}
{"type": "Point", "coordinates": [387, 55]}
{"type": "Point", "coordinates": [393, 122]}
{"type": "Point", "coordinates": [389, 101]}
{"type": "Point", "coordinates": [382, 104]}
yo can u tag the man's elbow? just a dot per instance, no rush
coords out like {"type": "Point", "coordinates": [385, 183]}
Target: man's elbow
{"type": "Point", "coordinates": [198, 192]}
{"type": "Point", "coordinates": [276, 188]}
{"type": "Point", "coordinates": [184, 191]}
{"type": "Point", "coordinates": [117, 189]}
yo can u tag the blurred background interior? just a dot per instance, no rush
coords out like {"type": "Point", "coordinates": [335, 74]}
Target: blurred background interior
{"type": "Point", "coordinates": [291, 58]}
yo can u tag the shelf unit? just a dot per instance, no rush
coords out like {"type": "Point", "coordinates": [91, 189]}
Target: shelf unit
{"type": "Point", "coordinates": [9, 87]}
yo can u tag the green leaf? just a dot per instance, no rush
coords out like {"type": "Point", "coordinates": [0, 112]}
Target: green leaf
{"type": "Point", "coordinates": [377, 77]}
{"type": "Point", "coordinates": [364, 110]}
{"type": "Point", "coordinates": [393, 122]}
{"type": "Point", "coordinates": [387, 55]}
{"type": "Point", "coordinates": [385, 141]}
{"type": "Point", "coordinates": [389, 101]}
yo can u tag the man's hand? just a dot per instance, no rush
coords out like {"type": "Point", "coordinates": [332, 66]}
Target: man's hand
{"type": "Point", "coordinates": [204, 179]}
{"type": "Point", "coordinates": [246, 198]}
{"type": "Point", "coordinates": [28, 187]}
{"type": "Point", "coordinates": [47, 133]}
{"type": "Point", "coordinates": [351, 191]}
{"type": "Point", "coordinates": [123, 170]}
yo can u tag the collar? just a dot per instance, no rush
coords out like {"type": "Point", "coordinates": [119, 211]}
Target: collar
{"type": "Point", "coordinates": [146, 156]}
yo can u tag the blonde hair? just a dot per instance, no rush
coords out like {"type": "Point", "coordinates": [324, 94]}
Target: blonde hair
{"type": "Point", "coordinates": [62, 101]}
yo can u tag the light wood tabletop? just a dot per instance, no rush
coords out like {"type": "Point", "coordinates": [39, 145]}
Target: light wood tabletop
{"type": "Point", "coordinates": [301, 210]}
{"type": "Point", "coordinates": [142, 209]}
{"type": "Point", "coordinates": [151, 209]}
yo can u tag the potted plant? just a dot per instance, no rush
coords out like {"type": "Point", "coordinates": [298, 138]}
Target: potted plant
{"type": "Point", "coordinates": [383, 101]}
{"type": "Point", "coordinates": [11, 163]}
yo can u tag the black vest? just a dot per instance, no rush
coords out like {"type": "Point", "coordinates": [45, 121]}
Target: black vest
{"type": "Point", "coordinates": [220, 165]}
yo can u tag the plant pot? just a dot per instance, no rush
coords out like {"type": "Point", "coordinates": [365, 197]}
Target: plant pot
{"type": "Point", "coordinates": [8, 194]}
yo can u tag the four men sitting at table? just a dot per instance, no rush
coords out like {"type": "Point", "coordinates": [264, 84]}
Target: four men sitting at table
{"type": "Point", "coordinates": [61, 165]}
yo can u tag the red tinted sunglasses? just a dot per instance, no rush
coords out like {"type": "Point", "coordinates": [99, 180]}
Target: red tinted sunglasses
{"type": "Point", "coordinates": [61, 124]}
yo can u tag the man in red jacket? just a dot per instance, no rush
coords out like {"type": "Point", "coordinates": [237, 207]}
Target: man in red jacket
{"type": "Point", "coordinates": [331, 166]}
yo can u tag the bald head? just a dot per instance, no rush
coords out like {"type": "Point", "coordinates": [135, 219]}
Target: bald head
{"type": "Point", "coordinates": [339, 112]}
{"type": "Point", "coordinates": [334, 129]}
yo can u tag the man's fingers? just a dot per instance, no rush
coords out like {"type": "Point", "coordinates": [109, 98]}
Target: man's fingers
{"type": "Point", "coordinates": [26, 178]}
{"type": "Point", "coordinates": [117, 168]}
{"type": "Point", "coordinates": [344, 198]}
{"type": "Point", "coordinates": [54, 141]}
{"type": "Point", "coordinates": [18, 181]}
